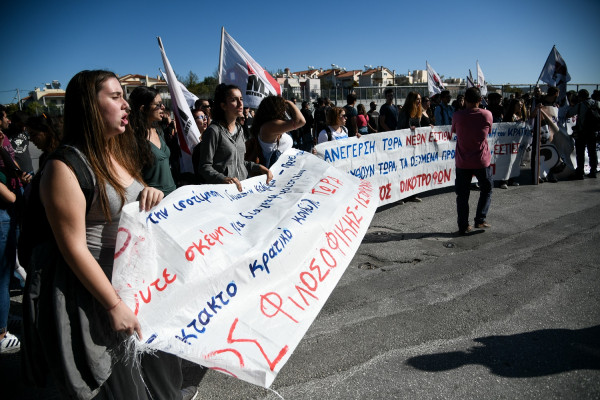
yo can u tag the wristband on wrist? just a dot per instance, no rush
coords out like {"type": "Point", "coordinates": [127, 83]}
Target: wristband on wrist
{"type": "Point", "coordinates": [113, 307]}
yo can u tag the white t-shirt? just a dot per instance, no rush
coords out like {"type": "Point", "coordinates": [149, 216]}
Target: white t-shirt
{"type": "Point", "coordinates": [335, 135]}
{"type": "Point", "coordinates": [285, 142]}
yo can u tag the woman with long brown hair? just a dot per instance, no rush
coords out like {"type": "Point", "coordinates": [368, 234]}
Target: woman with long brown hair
{"type": "Point", "coordinates": [221, 152]}
{"type": "Point", "coordinates": [147, 110]}
{"type": "Point", "coordinates": [412, 112]}
{"type": "Point", "coordinates": [81, 324]}
{"type": "Point", "coordinates": [273, 119]}
{"type": "Point", "coordinates": [411, 116]}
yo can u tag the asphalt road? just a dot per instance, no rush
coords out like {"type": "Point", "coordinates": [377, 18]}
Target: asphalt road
{"type": "Point", "coordinates": [512, 312]}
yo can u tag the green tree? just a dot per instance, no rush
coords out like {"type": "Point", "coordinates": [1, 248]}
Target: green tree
{"type": "Point", "coordinates": [11, 108]}
{"type": "Point", "coordinates": [191, 81]}
{"type": "Point", "coordinates": [33, 108]}
{"type": "Point", "coordinates": [207, 87]}
{"type": "Point", "coordinates": [202, 89]}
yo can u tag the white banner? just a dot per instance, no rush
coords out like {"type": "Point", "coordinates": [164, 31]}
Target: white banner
{"type": "Point", "coordinates": [233, 280]}
{"type": "Point", "coordinates": [240, 69]}
{"type": "Point", "coordinates": [402, 163]}
{"type": "Point", "coordinates": [188, 134]}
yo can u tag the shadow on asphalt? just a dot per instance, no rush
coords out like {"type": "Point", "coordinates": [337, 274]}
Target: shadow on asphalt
{"type": "Point", "coordinates": [382, 237]}
{"type": "Point", "coordinates": [529, 354]}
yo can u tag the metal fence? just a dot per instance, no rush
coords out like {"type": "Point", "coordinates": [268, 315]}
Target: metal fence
{"type": "Point", "coordinates": [375, 93]}
{"type": "Point", "coordinates": [368, 94]}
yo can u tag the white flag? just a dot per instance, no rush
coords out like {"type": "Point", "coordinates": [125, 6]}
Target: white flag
{"type": "Point", "coordinates": [481, 80]}
{"type": "Point", "coordinates": [190, 97]}
{"type": "Point", "coordinates": [188, 134]}
{"type": "Point", "coordinates": [555, 72]}
{"type": "Point", "coordinates": [434, 83]}
{"type": "Point", "coordinates": [238, 68]}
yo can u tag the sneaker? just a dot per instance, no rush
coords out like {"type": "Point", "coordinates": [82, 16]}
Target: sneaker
{"type": "Point", "coordinates": [503, 186]}
{"type": "Point", "coordinates": [414, 199]}
{"type": "Point", "coordinates": [465, 231]}
{"type": "Point", "coordinates": [190, 393]}
{"type": "Point", "coordinates": [10, 344]}
{"type": "Point", "coordinates": [483, 225]}
{"type": "Point", "coordinates": [513, 183]}
{"type": "Point", "coordinates": [591, 175]}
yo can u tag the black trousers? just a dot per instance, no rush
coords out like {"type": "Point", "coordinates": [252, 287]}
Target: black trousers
{"type": "Point", "coordinates": [162, 375]}
{"type": "Point", "coordinates": [583, 141]}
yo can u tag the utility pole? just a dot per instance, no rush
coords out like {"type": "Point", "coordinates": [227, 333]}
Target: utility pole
{"type": "Point", "coordinates": [18, 97]}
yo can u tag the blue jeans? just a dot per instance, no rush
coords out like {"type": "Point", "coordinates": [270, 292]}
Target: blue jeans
{"type": "Point", "coordinates": [8, 247]}
{"type": "Point", "coordinates": [462, 187]}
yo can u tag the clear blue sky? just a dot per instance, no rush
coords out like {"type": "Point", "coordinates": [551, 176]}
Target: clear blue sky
{"type": "Point", "coordinates": [45, 41]}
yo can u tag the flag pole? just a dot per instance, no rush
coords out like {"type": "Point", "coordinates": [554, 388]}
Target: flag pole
{"type": "Point", "coordinates": [221, 55]}
{"type": "Point", "coordinates": [549, 54]}
{"type": "Point", "coordinates": [536, 151]}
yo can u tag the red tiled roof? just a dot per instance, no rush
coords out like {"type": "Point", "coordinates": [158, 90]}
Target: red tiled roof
{"type": "Point", "coordinates": [307, 72]}
{"type": "Point", "coordinates": [349, 74]}
{"type": "Point", "coordinates": [369, 71]}
{"type": "Point", "coordinates": [327, 72]}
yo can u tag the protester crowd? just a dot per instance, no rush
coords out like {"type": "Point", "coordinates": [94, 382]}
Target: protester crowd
{"type": "Point", "coordinates": [108, 151]}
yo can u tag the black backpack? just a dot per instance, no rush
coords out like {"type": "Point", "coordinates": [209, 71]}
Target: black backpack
{"type": "Point", "coordinates": [591, 122]}
{"type": "Point", "coordinates": [35, 228]}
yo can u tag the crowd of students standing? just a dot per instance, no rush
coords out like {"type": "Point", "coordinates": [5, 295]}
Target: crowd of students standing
{"type": "Point", "coordinates": [108, 151]}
